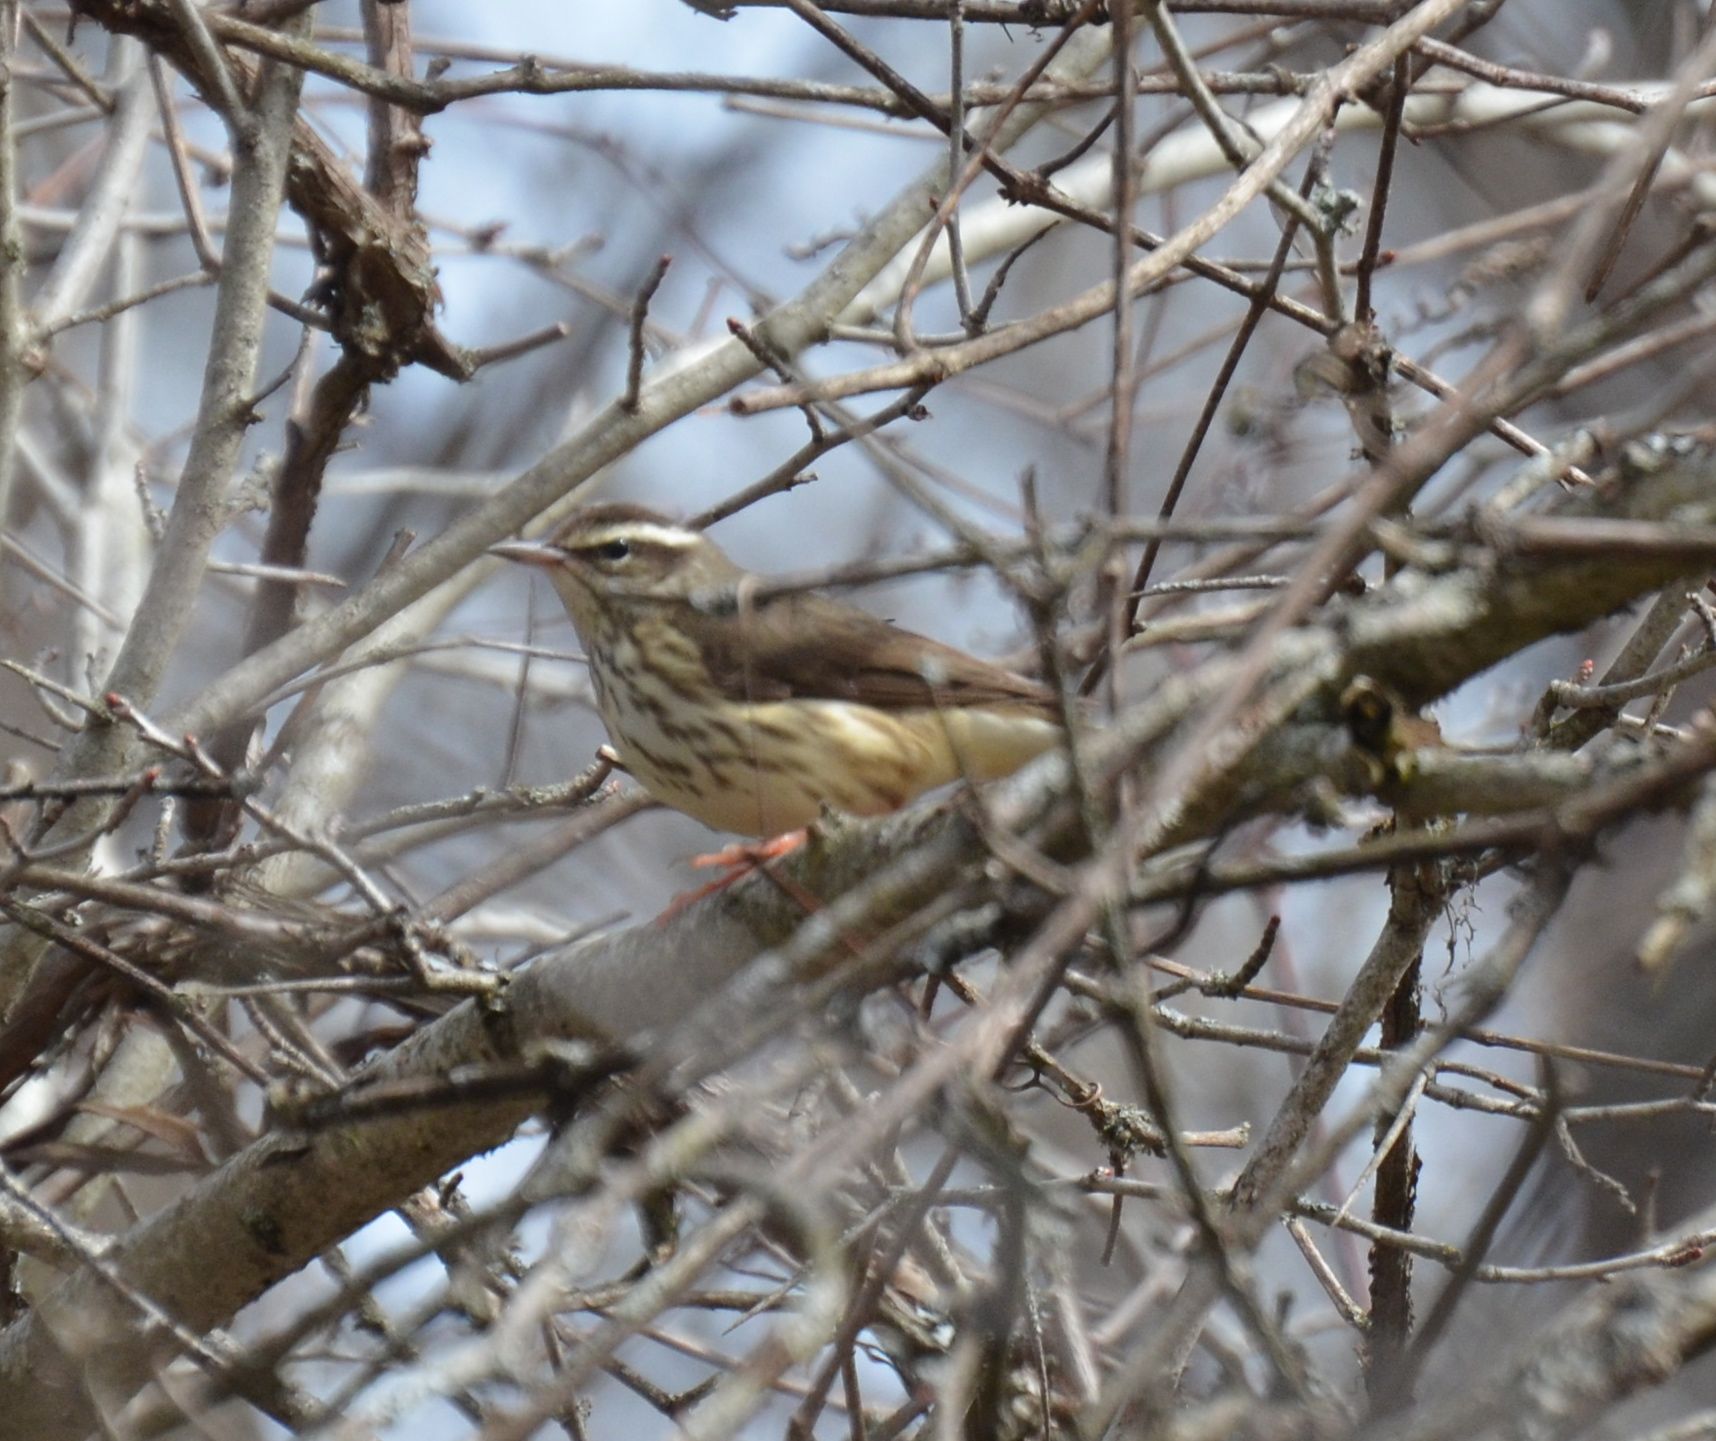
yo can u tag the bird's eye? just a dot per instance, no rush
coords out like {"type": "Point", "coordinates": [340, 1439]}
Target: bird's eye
{"type": "Point", "coordinates": [614, 550]}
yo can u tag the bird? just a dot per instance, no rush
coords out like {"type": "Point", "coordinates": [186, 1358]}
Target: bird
{"type": "Point", "coordinates": [753, 712]}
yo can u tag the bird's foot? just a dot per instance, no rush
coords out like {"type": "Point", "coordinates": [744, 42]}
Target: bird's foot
{"type": "Point", "coordinates": [742, 857]}
{"type": "Point", "coordinates": [739, 860]}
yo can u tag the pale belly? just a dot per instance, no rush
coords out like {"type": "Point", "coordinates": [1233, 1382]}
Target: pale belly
{"type": "Point", "coordinates": [769, 767]}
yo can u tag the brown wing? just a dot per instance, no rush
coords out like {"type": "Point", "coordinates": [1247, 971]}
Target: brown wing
{"type": "Point", "coordinates": [810, 647]}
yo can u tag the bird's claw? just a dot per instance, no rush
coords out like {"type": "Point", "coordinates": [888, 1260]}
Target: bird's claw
{"type": "Point", "coordinates": [743, 856]}
{"type": "Point", "coordinates": [739, 860]}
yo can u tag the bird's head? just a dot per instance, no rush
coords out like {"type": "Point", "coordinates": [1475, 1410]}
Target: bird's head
{"type": "Point", "coordinates": [611, 559]}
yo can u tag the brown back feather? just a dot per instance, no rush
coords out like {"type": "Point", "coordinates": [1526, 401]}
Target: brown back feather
{"type": "Point", "coordinates": [811, 647]}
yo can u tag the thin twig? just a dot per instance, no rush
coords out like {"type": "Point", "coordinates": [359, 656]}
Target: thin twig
{"type": "Point", "coordinates": [640, 315]}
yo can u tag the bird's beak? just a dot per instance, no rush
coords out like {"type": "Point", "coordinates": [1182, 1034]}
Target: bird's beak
{"type": "Point", "coordinates": [526, 552]}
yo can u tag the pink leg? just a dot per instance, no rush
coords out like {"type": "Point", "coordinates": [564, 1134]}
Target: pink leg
{"type": "Point", "coordinates": [744, 856]}
{"type": "Point", "coordinates": [739, 860]}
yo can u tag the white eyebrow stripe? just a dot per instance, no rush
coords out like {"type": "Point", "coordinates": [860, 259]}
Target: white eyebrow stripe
{"type": "Point", "coordinates": [642, 532]}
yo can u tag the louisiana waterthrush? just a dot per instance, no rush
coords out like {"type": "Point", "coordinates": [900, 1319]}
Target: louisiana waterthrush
{"type": "Point", "coordinates": [751, 712]}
